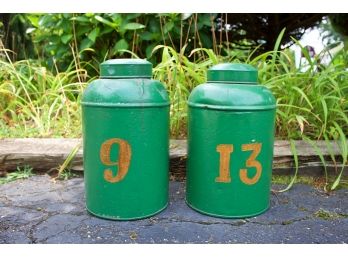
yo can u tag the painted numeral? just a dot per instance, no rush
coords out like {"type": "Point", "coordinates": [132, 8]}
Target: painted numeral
{"type": "Point", "coordinates": [123, 161]}
{"type": "Point", "coordinates": [225, 151]}
{"type": "Point", "coordinates": [251, 162]}
{"type": "Point", "coordinates": [225, 156]}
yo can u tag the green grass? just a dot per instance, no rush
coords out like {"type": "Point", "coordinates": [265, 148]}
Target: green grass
{"type": "Point", "coordinates": [20, 173]}
{"type": "Point", "coordinates": [312, 100]}
{"type": "Point", "coordinates": [285, 180]}
{"type": "Point", "coordinates": [35, 102]}
{"type": "Point", "coordinates": [318, 182]}
{"type": "Point", "coordinates": [64, 171]}
{"type": "Point", "coordinates": [180, 76]}
{"type": "Point", "coordinates": [66, 174]}
{"type": "Point", "coordinates": [327, 215]}
{"type": "Point", "coordinates": [313, 103]}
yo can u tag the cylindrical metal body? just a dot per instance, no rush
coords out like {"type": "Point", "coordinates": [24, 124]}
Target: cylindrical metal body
{"type": "Point", "coordinates": [230, 143]}
{"type": "Point", "coordinates": [125, 118]}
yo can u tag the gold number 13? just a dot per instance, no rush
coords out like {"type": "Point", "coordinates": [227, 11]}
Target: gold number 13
{"type": "Point", "coordinates": [225, 155]}
{"type": "Point", "coordinates": [124, 156]}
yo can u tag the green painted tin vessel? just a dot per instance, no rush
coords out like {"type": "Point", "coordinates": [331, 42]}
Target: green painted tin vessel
{"type": "Point", "coordinates": [125, 117]}
{"type": "Point", "coordinates": [230, 143]}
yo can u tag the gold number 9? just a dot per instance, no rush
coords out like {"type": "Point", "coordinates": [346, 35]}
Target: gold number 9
{"type": "Point", "coordinates": [124, 157]}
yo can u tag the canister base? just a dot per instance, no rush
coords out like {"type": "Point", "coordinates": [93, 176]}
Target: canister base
{"type": "Point", "coordinates": [125, 219]}
{"type": "Point", "coordinates": [227, 216]}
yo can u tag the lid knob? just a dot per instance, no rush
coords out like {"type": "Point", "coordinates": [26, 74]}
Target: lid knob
{"type": "Point", "coordinates": [233, 73]}
{"type": "Point", "coordinates": [126, 68]}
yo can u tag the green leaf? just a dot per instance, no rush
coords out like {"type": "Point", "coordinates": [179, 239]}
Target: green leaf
{"type": "Point", "coordinates": [54, 39]}
{"type": "Point", "coordinates": [149, 49]}
{"type": "Point", "coordinates": [146, 36]}
{"type": "Point", "coordinates": [168, 27]}
{"type": "Point", "coordinates": [61, 51]}
{"type": "Point", "coordinates": [206, 40]}
{"type": "Point", "coordinates": [321, 156]}
{"type": "Point", "coordinates": [131, 16]}
{"type": "Point", "coordinates": [94, 34]}
{"type": "Point", "coordinates": [342, 143]}
{"type": "Point", "coordinates": [34, 19]}
{"type": "Point", "coordinates": [67, 162]}
{"type": "Point", "coordinates": [116, 18]}
{"type": "Point", "coordinates": [66, 15]}
{"type": "Point", "coordinates": [51, 49]}
{"type": "Point", "coordinates": [209, 52]}
{"type": "Point", "coordinates": [325, 110]}
{"type": "Point", "coordinates": [66, 38]}
{"type": "Point", "coordinates": [82, 31]}
{"type": "Point", "coordinates": [82, 19]}
{"type": "Point", "coordinates": [133, 26]}
{"type": "Point", "coordinates": [303, 94]}
{"type": "Point", "coordinates": [46, 20]}
{"type": "Point", "coordinates": [106, 30]}
{"type": "Point", "coordinates": [86, 43]}
{"type": "Point", "coordinates": [105, 21]}
{"type": "Point", "coordinates": [153, 26]}
{"type": "Point", "coordinates": [66, 26]}
{"type": "Point", "coordinates": [205, 19]}
{"type": "Point", "coordinates": [275, 50]}
{"type": "Point", "coordinates": [294, 153]}
{"type": "Point", "coordinates": [121, 45]}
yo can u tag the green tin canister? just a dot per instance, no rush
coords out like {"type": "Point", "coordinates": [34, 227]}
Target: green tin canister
{"type": "Point", "coordinates": [125, 117]}
{"type": "Point", "coordinates": [230, 143]}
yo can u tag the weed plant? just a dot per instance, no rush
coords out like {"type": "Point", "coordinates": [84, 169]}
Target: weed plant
{"type": "Point", "coordinates": [312, 99]}
{"type": "Point", "coordinates": [21, 173]}
{"type": "Point", "coordinates": [36, 102]}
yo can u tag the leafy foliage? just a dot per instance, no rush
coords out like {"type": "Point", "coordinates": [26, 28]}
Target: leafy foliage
{"type": "Point", "coordinates": [37, 99]}
{"type": "Point", "coordinates": [13, 33]}
{"type": "Point", "coordinates": [107, 34]}
{"type": "Point", "coordinates": [92, 38]}
{"type": "Point", "coordinates": [36, 102]}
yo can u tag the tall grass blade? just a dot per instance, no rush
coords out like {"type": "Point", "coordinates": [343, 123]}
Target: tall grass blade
{"type": "Point", "coordinates": [344, 153]}
{"type": "Point", "coordinates": [322, 159]}
{"type": "Point", "coordinates": [294, 152]}
{"type": "Point", "coordinates": [275, 50]}
{"type": "Point", "coordinates": [67, 162]}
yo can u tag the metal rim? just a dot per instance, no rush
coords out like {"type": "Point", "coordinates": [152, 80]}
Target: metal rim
{"type": "Point", "coordinates": [228, 216]}
{"type": "Point", "coordinates": [237, 108]}
{"type": "Point", "coordinates": [125, 105]}
{"type": "Point", "coordinates": [109, 217]}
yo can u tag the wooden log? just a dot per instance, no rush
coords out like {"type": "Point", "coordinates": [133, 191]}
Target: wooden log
{"type": "Point", "coordinates": [38, 153]}
{"type": "Point", "coordinates": [43, 154]}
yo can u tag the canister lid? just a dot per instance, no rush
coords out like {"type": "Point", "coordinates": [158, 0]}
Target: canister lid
{"type": "Point", "coordinates": [126, 68]}
{"type": "Point", "coordinates": [232, 73]}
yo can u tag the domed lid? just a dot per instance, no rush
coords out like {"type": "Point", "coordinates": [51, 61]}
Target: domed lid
{"type": "Point", "coordinates": [125, 93]}
{"type": "Point", "coordinates": [241, 97]}
{"type": "Point", "coordinates": [233, 73]}
{"type": "Point", "coordinates": [126, 68]}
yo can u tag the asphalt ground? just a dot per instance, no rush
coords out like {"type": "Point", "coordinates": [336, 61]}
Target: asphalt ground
{"type": "Point", "coordinates": [40, 210]}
